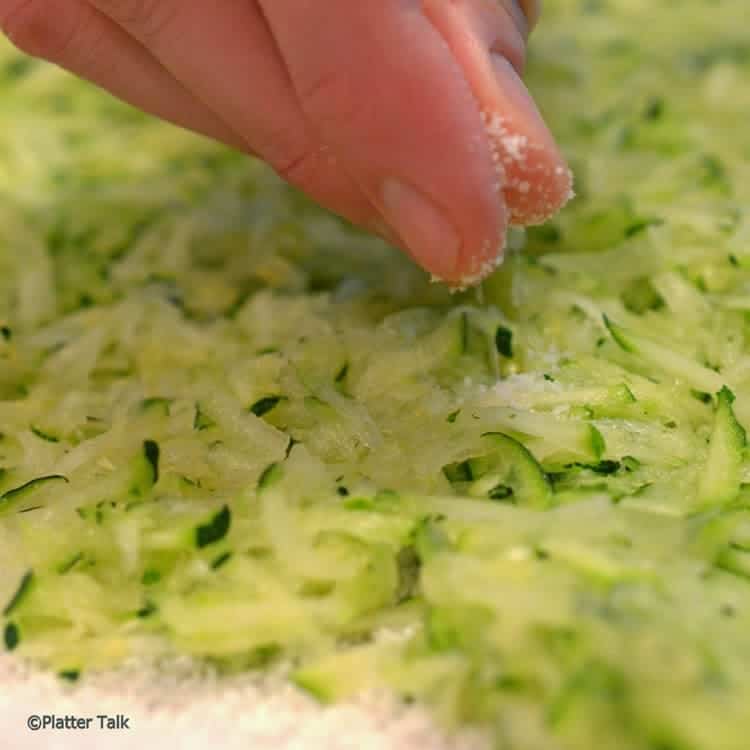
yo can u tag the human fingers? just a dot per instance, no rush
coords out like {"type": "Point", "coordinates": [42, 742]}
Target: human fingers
{"type": "Point", "coordinates": [226, 56]}
{"type": "Point", "coordinates": [488, 39]}
{"type": "Point", "coordinates": [382, 87]}
{"type": "Point", "coordinates": [75, 36]}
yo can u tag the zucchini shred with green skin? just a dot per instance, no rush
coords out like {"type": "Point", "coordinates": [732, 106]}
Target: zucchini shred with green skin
{"type": "Point", "coordinates": [234, 428]}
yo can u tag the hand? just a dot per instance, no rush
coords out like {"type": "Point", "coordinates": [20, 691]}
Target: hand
{"type": "Point", "coordinates": [405, 116]}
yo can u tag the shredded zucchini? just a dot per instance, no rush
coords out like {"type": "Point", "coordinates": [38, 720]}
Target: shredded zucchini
{"type": "Point", "coordinates": [233, 427]}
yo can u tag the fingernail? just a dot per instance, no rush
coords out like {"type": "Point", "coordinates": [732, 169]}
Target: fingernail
{"type": "Point", "coordinates": [430, 237]}
{"type": "Point", "coordinates": [512, 86]}
{"type": "Point", "coordinates": [538, 182]}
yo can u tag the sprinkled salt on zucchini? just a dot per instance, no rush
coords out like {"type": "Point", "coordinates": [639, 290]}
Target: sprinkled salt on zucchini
{"type": "Point", "coordinates": [235, 428]}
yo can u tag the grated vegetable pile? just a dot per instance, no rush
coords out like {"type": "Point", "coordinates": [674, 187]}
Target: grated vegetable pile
{"type": "Point", "coordinates": [235, 428]}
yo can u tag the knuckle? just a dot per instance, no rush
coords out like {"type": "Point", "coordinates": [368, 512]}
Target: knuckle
{"type": "Point", "coordinates": [146, 19]}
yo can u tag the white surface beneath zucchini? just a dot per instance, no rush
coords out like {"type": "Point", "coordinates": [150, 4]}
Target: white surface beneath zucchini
{"type": "Point", "coordinates": [184, 708]}
{"type": "Point", "coordinates": [238, 431]}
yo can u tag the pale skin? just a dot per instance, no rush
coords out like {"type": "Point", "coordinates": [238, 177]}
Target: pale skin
{"type": "Point", "coordinates": [377, 109]}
